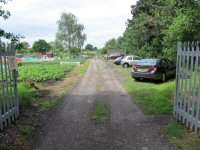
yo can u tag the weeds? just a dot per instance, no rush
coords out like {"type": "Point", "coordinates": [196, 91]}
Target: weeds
{"type": "Point", "coordinates": [101, 113]}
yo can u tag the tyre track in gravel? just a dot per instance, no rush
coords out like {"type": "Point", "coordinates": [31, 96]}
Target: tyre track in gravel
{"type": "Point", "coordinates": [70, 125]}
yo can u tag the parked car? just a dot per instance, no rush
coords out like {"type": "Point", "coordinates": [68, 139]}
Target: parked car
{"type": "Point", "coordinates": [118, 60]}
{"type": "Point", "coordinates": [154, 68]}
{"type": "Point", "coordinates": [130, 61]}
{"type": "Point", "coordinates": [115, 55]}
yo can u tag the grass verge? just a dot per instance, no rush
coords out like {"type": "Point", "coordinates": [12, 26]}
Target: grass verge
{"type": "Point", "coordinates": [99, 79]}
{"type": "Point", "coordinates": [83, 68]}
{"type": "Point", "coordinates": [101, 113]}
{"type": "Point", "coordinates": [26, 94]}
{"type": "Point", "coordinates": [152, 97]}
{"type": "Point", "coordinates": [180, 137]}
{"type": "Point", "coordinates": [157, 98]}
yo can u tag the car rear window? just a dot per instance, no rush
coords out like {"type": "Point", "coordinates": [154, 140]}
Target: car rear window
{"type": "Point", "coordinates": [147, 62]}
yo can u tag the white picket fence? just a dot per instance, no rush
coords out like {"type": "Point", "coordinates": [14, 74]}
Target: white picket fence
{"type": "Point", "coordinates": [9, 105]}
{"type": "Point", "coordinates": [187, 101]}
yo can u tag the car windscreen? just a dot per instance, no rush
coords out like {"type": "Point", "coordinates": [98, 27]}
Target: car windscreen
{"type": "Point", "coordinates": [148, 62]}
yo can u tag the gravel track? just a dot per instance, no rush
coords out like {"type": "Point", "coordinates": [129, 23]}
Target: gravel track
{"type": "Point", "coordinates": [70, 125]}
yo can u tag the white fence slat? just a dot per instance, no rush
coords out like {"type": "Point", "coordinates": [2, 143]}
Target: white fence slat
{"type": "Point", "coordinates": [9, 105]}
{"type": "Point", "coordinates": [187, 101]}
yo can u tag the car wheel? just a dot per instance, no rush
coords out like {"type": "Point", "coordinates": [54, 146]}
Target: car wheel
{"type": "Point", "coordinates": [137, 79]}
{"type": "Point", "coordinates": [125, 65]}
{"type": "Point", "coordinates": [163, 78]}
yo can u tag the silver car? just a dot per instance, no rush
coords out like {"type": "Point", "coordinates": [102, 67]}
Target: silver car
{"type": "Point", "coordinates": [130, 61]}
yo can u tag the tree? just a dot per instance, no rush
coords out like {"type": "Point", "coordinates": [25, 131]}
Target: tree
{"type": "Point", "coordinates": [89, 47]}
{"type": "Point", "coordinates": [157, 26]}
{"type": "Point", "coordinates": [70, 33]}
{"type": "Point", "coordinates": [41, 46]}
{"type": "Point", "coordinates": [5, 14]}
{"type": "Point", "coordinates": [22, 47]}
{"type": "Point", "coordinates": [111, 44]}
{"type": "Point", "coordinates": [95, 48]}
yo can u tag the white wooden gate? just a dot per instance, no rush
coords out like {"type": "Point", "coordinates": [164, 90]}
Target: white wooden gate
{"type": "Point", "coordinates": [187, 101]}
{"type": "Point", "coordinates": [9, 106]}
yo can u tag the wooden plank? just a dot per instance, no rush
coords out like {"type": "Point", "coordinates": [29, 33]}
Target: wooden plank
{"type": "Point", "coordinates": [176, 102]}
{"type": "Point", "coordinates": [11, 95]}
{"type": "Point", "coordinates": [186, 84]}
{"type": "Point", "coordinates": [194, 94]}
{"type": "Point", "coordinates": [190, 86]}
{"type": "Point", "coordinates": [198, 95]}
{"type": "Point", "coordinates": [195, 121]}
{"type": "Point", "coordinates": [1, 98]}
{"type": "Point", "coordinates": [3, 85]}
{"type": "Point", "coordinates": [182, 80]}
{"type": "Point", "coordinates": [7, 86]}
{"type": "Point", "coordinates": [15, 75]}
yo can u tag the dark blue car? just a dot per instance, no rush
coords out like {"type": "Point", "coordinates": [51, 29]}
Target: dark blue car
{"type": "Point", "coordinates": [154, 68]}
{"type": "Point", "coordinates": [118, 60]}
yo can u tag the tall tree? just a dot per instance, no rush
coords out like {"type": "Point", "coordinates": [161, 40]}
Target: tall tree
{"type": "Point", "coordinates": [22, 47]}
{"type": "Point", "coordinates": [89, 47]}
{"type": "Point", "coordinates": [70, 33]}
{"type": "Point", "coordinates": [111, 44]}
{"type": "Point", "coordinates": [157, 26]}
{"type": "Point", "coordinates": [41, 46]}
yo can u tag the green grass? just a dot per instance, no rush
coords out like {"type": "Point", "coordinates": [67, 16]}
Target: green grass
{"type": "Point", "coordinates": [101, 113]}
{"type": "Point", "coordinates": [180, 137]}
{"type": "Point", "coordinates": [99, 79]}
{"type": "Point", "coordinates": [151, 97]}
{"type": "Point", "coordinates": [84, 68]}
{"type": "Point", "coordinates": [27, 131]}
{"type": "Point", "coordinates": [50, 104]}
{"type": "Point", "coordinates": [26, 94]}
{"type": "Point", "coordinates": [174, 130]}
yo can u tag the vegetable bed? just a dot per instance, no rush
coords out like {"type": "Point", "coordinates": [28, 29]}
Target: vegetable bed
{"type": "Point", "coordinates": [43, 71]}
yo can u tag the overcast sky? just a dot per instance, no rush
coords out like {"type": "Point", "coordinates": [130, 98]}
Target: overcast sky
{"type": "Point", "coordinates": [36, 19]}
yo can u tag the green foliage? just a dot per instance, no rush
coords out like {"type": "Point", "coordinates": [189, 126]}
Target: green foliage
{"type": "Point", "coordinates": [70, 33]}
{"type": "Point", "coordinates": [5, 14]}
{"type": "Point", "coordinates": [101, 113]}
{"type": "Point", "coordinates": [41, 46]}
{"type": "Point", "coordinates": [26, 94]}
{"type": "Point", "coordinates": [174, 130]}
{"type": "Point", "coordinates": [75, 51]}
{"type": "Point", "coordinates": [89, 47]}
{"type": "Point", "coordinates": [22, 47]}
{"type": "Point", "coordinates": [56, 47]}
{"type": "Point", "coordinates": [27, 131]}
{"type": "Point", "coordinates": [180, 137]}
{"type": "Point", "coordinates": [185, 27]}
{"type": "Point", "coordinates": [43, 71]}
{"type": "Point", "coordinates": [157, 26]}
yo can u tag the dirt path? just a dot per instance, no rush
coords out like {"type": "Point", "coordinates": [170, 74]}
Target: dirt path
{"type": "Point", "coordinates": [71, 127]}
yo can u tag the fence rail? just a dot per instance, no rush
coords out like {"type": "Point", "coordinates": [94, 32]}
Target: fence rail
{"type": "Point", "coordinates": [9, 105]}
{"type": "Point", "coordinates": [187, 101]}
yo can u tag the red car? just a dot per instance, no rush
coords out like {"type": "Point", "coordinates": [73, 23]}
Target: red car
{"type": "Point", "coordinates": [115, 55]}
